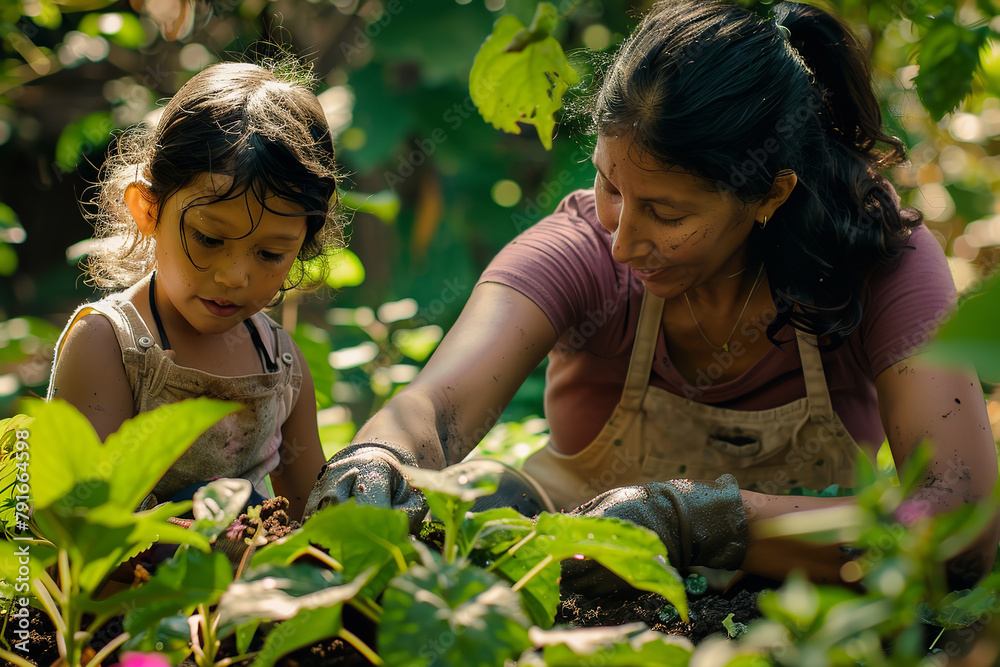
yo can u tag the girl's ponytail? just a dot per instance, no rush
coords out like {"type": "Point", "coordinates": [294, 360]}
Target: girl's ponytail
{"type": "Point", "coordinates": [840, 64]}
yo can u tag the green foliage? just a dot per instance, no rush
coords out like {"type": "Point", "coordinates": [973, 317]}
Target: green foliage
{"type": "Point", "coordinates": [521, 73]}
{"type": "Point", "coordinates": [633, 553]}
{"type": "Point", "coordinates": [970, 335]}
{"type": "Point", "coordinates": [84, 492]}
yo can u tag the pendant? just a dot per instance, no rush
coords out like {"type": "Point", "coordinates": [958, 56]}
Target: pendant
{"type": "Point", "coordinates": [725, 346]}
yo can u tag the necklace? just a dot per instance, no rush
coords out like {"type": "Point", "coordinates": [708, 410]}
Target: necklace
{"type": "Point", "coordinates": [725, 346]}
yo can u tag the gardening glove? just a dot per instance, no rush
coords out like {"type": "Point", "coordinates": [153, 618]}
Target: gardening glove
{"type": "Point", "coordinates": [371, 474]}
{"type": "Point", "coordinates": [700, 522]}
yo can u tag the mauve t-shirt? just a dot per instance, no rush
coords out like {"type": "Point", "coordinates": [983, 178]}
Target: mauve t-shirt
{"type": "Point", "coordinates": [564, 265]}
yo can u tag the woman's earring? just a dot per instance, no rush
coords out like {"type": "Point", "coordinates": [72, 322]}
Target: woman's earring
{"type": "Point", "coordinates": [763, 222]}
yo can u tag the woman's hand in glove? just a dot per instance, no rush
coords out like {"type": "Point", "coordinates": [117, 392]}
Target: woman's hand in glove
{"type": "Point", "coordinates": [371, 474]}
{"type": "Point", "coordinates": [700, 522]}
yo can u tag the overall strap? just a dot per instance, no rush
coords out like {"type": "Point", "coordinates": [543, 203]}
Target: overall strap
{"type": "Point", "coordinates": [817, 391]}
{"type": "Point", "coordinates": [268, 362]}
{"type": "Point", "coordinates": [643, 349]}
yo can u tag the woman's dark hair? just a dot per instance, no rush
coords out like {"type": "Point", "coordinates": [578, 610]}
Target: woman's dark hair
{"type": "Point", "coordinates": [261, 126]}
{"type": "Point", "coordinates": [734, 98]}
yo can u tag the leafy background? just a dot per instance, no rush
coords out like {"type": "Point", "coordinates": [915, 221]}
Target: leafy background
{"type": "Point", "coordinates": [435, 190]}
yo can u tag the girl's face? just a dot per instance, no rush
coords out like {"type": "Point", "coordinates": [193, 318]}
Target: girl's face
{"type": "Point", "coordinates": [671, 229]}
{"type": "Point", "coordinates": [232, 272]}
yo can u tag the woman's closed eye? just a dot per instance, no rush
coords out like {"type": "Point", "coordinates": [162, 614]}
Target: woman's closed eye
{"type": "Point", "coordinates": [665, 221]}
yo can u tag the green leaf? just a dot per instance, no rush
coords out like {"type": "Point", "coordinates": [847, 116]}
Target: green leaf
{"type": "Point", "coordinates": [180, 584]}
{"type": "Point", "coordinates": [633, 553]}
{"type": "Point", "coordinates": [170, 636]}
{"type": "Point", "coordinates": [446, 614]}
{"type": "Point", "coordinates": [14, 555]}
{"type": "Point", "coordinates": [11, 230]}
{"type": "Point", "coordinates": [64, 450]}
{"type": "Point", "coordinates": [384, 205]}
{"type": "Point", "coordinates": [8, 259]}
{"type": "Point", "coordinates": [948, 57]}
{"type": "Point", "coordinates": [85, 135]}
{"type": "Point", "coordinates": [316, 348]}
{"type": "Point", "coordinates": [307, 627]}
{"type": "Point", "coordinates": [245, 633]}
{"type": "Point", "coordinates": [488, 536]}
{"type": "Point", "coordinates": [630, 645]}
{"type": "Point", "coordinates": [153, 441]}
{"type": "Point", "coordinates": [356, 536]}
{"type": "Point", "coordinates": [278, 593]}
{"type": "Point", "coordinates": [959, 609]}
{"type": "Point", "coordinates": [520, 77]}
{"type": "Point", "coordinates": [121, 28]}
{"type": "Point", "coordinates": [346, 270]}
{"type": "Point", "coordinates": [67, 455]}
{"type": "Point", "coordinates": [418, 343]}
{"type": "Point", "coordinates": [970, 336]}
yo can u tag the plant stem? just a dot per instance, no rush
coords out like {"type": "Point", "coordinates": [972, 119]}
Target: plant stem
{"type": "Point", "coordinates": [539, 566]}
{"type": "Point", "coordinates": [64, 579]}
{"type": "Point", "coordinates": [108, 648]}
{"type": "Point", "coordinates": [368, 608]}
{"type": "Point", "coordinates": [450, 541]}
{"type": "Point", "coordinates": [325, 558]}
{"type": "Point", "coordinates": [15, 659]}
{"type": "Point", "coordinates": [362, 647]}
{"type": "Point", "coordinates": [50, 606]}
{"type": "Point", "coordinates": [931, 647]}
{"type": "Point", "coordinates": [225, 662]}
{"type": "Point", "coordinates": [510, 552]}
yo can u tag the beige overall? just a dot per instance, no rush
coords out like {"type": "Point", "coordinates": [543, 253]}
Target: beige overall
{"type": "Point", "coordinates": [243, 444]}
{"type": "Point", "coordinates": [654, 435]}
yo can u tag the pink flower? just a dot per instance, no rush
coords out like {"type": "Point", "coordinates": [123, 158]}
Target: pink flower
{"type": "Point", "coordinates": [910, 511]}
{"type": "Point", "coordinates": [135, 659]}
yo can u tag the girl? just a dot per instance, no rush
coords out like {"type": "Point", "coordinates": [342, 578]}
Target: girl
{"type": "Point", "coordinates": [206, 219]}
{"type": "Point", "coordinates": [739, 299]}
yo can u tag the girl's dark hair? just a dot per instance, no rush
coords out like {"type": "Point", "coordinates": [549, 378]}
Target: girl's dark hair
{"type": "Point", "coordinates": [261, 126]}
{"type": "Point", "coordinates": [734, 98]}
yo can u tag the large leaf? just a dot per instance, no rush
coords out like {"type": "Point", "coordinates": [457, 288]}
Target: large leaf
{"type": "Point", "coordinates": [488, 537]}
{"type": "Point", "coordinates": [357, 537]}
{"type": "Point", "coordinates": [67, 455]}
{"type": "Point", "coordinates": [520, 74]}
{"type": "Point", "coordinates": [279, 593]}
{"type": "Point", "coordinates": [633, 553]}
{"type": "Point", "coordinates": [100, 539]}
{"type": "Point", "coordinates": [971, 336]}
{"type": "Point", "coordinates": [948, 57]}
{"type": "Point", "coordinates": [152, 441]}
{"type": "Point", "coordinates": [180, 584]}
{"type": "Point", "coordinates": [632, 645]}
{"type": "Point", "coordinates": [307, 627]}
{"type": "Point", "coordinates": [444, 614]}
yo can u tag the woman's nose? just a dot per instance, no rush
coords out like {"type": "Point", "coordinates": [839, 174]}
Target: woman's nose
{"type": "Point", "coordinates": [628, 239]}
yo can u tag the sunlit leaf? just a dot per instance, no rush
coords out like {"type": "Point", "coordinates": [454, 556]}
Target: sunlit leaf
{"type": "Point", "coordinates": [630, 645]}
{"type": "Point", "coordinates": [346, 270]}
{"type": "Point", "coordinates": [520, 75]}
{"type": "Point", "coordinates": [445, 614]}
{"type": "Point", "coordinates": [633, 553]}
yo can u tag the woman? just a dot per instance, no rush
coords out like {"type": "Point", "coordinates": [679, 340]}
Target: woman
{"type": "Point", "coordinates": [740, 293]}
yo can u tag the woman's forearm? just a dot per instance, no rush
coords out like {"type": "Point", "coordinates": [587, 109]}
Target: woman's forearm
{"type": "Point", "coordinates": [776, 556]}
